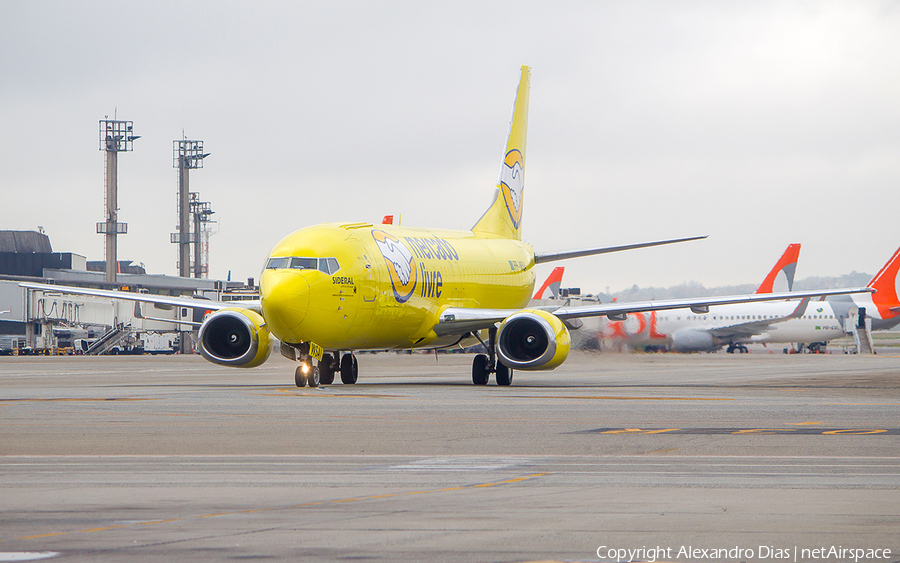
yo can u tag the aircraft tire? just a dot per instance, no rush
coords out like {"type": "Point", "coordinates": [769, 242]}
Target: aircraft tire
{"type": "Point", "coordinates": [299, 376]}
{"type": "Point", "coordinates": [326, 370]}
{"type": "Point", "coordinates": [504, 375]}
{"type": "Point", "coordinates": [349, 369]}
{"type": "Point", "coordinates": [312, 379]}
{"type": "Point", "coordinates": [480, 373]}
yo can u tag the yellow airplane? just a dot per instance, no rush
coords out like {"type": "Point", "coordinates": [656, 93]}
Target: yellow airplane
{"type": "Point", "coordinates": [328, 290]}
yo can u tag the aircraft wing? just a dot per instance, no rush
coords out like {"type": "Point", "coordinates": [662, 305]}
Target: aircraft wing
{"type": "Point", "coordinates": [752, 328]}
{"type": "Point", "coordinates": [458, 320]}
{"type": "Point", "coordinates": [193, 303]}
{"type": "Point", "coordinates": [541, 257]}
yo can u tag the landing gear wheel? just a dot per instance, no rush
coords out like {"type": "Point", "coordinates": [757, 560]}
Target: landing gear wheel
{"type": "Point", "coordinates": [299, 376]}
{"type": "Point", "coordinates": [730, 349]}
{"type": "Point", "coordinates": [480, 373]}
{"type": "Point", "coordinates": [504, 375]}
{"type": "Point", "coordinates": [744, 350]}
{"type": "Point", "coordinates": [326, 369]}
{"type": "Point", "coordinates": [312, 378]}
{"type": "Point", "coordinates": [349, 369]}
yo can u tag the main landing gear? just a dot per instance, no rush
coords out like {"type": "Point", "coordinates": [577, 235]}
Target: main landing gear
{"type": "Point", "coordinates": [737, 347]}
{"type": "Point", "coordinates": [324, 372]}
{"type": "Point", "coordinates": [485, 364]}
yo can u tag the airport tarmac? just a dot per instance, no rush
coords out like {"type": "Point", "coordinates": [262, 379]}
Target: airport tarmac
{"type": "Point", "coordinates": [173, 458]}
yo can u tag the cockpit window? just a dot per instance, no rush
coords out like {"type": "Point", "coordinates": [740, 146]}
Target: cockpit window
{"type": "Point", "coordinates": [303, 263]}
{"type": "Point", "coordinates": [278, 263]}
{"type": "Point", "coordinates": [325, 265]}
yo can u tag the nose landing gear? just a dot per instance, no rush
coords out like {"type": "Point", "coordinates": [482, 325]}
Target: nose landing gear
{"type": "Point", "coordinates": [306, 374]}
{"type": "Point", "coordinates": [313, 373]}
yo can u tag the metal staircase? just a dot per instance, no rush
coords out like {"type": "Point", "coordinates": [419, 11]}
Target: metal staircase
{"type": "Point", "coordinates": [863, 339]}
{"type": "Point", "coordinates": [860, 326]}
{"type": "Point", "coordinates": [110, 338]}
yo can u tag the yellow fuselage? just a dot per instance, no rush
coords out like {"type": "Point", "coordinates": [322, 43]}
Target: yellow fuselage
{"type": "Point", "coordinates": [385, 286]}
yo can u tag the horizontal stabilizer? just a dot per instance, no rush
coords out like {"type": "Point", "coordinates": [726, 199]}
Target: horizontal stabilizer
{"type": "Point", "coordinates": [542, 257]}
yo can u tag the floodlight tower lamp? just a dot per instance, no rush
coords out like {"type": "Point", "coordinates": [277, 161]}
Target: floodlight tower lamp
{"type": "Point", "coordinates": [115, 136]}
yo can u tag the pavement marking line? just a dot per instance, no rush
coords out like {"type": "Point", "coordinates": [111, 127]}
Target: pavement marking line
{"type": "Point", "coordinates": [27, 555]}
{"type": "Point", "coordinates": [295, 393]}
{"type": "Point", "coordinates": [616, 398]}
{"type": "Point", "coordinates": [862, 404]}
{"type": "Point", "coordinates": [85, 399]}
{"type": "Point", "coordinates": [289, 507]}
{"type": "Point", "coordinates": [763, 431]}
{"type": "Point", "coordinates": [639, 431]}
{"type": "Point", "coordinates": [800, 431]}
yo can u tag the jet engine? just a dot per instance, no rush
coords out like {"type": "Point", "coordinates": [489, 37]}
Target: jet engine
{"type": "Point", "coordinates": [692, 340]}
{"type": "Point", "coordinates": [532, 340]}
{"type": "Point", "coordinates": [235, 337]}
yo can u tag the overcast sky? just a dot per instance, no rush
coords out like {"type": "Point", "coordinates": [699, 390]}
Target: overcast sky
{"type": "Point", "coordinates": [758, 123]}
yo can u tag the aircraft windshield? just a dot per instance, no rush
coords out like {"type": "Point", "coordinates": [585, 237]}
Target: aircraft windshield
{"type": "Point", "coordinates": [325, 265]}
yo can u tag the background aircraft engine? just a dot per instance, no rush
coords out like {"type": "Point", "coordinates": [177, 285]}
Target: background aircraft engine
{"type": "Point", "coordinates": [691, 340]}
{"type": "Point", "coordinates": [532, 339]}
{"type": "Point", "coordinates": [235, 338]}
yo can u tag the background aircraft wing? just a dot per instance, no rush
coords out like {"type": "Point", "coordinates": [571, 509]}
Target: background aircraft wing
{"type": "Point", "coordinates": [193, 303]}
{"type": "Point", "coordinates": [754, 327]}
{"type": "Point", "coordinates": [459, 320]}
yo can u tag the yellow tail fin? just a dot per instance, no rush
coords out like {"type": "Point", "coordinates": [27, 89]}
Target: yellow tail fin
{"type": "Point", "coordinates": [504, 216]}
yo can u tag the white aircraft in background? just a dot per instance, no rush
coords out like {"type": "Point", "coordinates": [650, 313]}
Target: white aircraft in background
{"type": "Point", "coordinates": [782, 322]}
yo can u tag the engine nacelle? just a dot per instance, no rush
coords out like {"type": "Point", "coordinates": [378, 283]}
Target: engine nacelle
{"type": "Point", "coordinates": [236, 338]}
{"type": "Point", "coordinates": [692, 340]}
{"type": "Point", "coordinates": [532, 339]}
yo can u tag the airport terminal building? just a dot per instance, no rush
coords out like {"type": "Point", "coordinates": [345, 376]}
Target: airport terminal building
{"type": "Point", "coordinates": [33, 321]}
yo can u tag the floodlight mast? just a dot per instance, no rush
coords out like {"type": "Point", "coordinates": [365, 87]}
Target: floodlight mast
{"type": "Point", "coordinates": [187, 155]}
{"type": "Point", "coordinates": [115, 137]}
{"type": "Point", "coordinates": [202, 213]}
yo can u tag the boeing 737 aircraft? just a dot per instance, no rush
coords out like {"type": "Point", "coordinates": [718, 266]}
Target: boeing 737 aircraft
{"type": "Point", "coordinates": [787, 322]}
{"type": "Point", "coordinates": [641, 330]}
{"type": "Point", "coordinates": [328, 290]}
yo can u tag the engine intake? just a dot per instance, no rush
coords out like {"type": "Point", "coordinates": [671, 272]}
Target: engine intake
{"type": "Point", "coordinates": [235, 338]}
{"type": "Point", "coordinates": [533, 340]}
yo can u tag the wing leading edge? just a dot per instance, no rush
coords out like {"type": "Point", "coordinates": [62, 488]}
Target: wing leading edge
{"type": "Point", "coordinates": [458, 320]}
{"type": "Point", "coordinates": [541, 257]}
{"type": "Point", "coordinates": [145, 297]}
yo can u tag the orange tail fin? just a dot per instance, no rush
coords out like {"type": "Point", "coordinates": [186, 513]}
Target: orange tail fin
{"type": "Point", "coordinates": [781, 278]}
{"type": "Point", "coordinates": [553, 282]}
{"type": "Point", "coordinates": [886, 288]}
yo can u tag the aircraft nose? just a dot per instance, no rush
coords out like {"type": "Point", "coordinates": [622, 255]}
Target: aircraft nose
{"type": "Point", "coordinates": [285, 300]}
